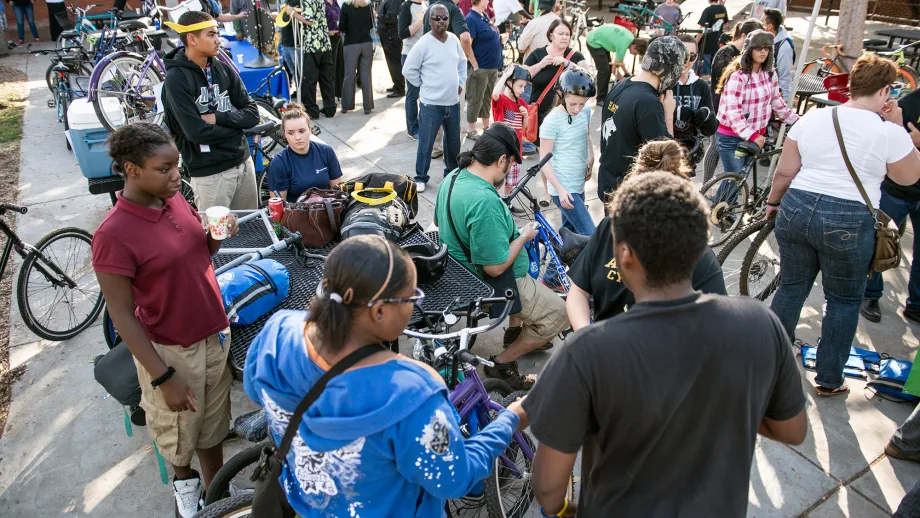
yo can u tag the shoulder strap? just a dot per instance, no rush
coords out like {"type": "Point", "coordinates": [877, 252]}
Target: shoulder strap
{"type": "Point", "coordinates": [450, 219]}
{"type": "Point", "coordinates": [552, 83]}
{"type": "Point", "coordinates": [846, 160]}
{"type": "Point", "coordinates": [345, 363]}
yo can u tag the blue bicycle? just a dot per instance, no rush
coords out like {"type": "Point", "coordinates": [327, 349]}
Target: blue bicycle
{"type": "Point", "coordinates": [551, 253]}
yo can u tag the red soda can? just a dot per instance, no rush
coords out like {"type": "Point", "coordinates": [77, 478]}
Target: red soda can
{"type": "Point", "coordinates": [275, 209]}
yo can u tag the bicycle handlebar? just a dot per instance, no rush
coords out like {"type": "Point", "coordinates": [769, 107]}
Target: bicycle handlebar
{"type": "Point", "coordinates": [470, 331]}
{"type": "Point", "coordinates": [531, 172]}
{"type": "Point", "coordinates": [15, 208]}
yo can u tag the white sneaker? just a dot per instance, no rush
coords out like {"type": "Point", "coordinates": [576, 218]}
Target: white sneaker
{"type": "Point", "coordinates": [420, 186]}
{"type": "Point", "coordinates": [187, 493]}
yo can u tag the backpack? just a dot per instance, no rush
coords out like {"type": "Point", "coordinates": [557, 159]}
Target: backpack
{"type": "Point", "coordinates": [376, 212]}
{"type": "Point", "coordinates": [403, 186]}
{"type": "Point", "coordinates": [779, 44]}
{"type": "Point", "coordinates": [253, 289]}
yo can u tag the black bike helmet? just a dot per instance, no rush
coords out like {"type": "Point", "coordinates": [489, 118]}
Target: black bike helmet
{"type": "Point", "coordinates": [577, 82]}
{"type": "Point", "coordinates": [693, 150]}
{"type": "Point", "coordinates": [519, 72]}
{"type": "Point", "coordinates": [429, 259]}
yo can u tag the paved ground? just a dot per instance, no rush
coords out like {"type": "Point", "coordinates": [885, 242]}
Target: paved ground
{"type": "Point", "coordinates": [64, 449]}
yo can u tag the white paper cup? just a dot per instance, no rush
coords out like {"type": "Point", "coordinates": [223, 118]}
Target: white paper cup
{"type": "Point", "coordinates": [239, 59]}
{"type": "Point", "coordinates": [217, 221]}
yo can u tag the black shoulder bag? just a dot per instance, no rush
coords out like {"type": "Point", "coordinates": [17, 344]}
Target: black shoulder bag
{"type": "Point", "coordinates": [505, 281]}
{"type": "Point", "coordinates": [269, 500]}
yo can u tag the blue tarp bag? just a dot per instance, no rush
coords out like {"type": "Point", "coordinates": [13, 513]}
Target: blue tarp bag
{"type": "Point", "coordinates": [891, 378]}
{"type": "Point", "coordinates": [253, 289]}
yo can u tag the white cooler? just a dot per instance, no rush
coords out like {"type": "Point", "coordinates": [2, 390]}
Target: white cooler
{"type": "Point", "coordinates": [87, 137]}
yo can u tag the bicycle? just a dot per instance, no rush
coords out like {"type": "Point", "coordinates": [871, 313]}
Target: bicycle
{"type": "Point", "coordinates": [62, 88]}
{"type": "Point", "coordinates": [61, 262]}
{"type": "Point", "coordinates": [510, 51]}
{"type": "Point", "coordinates": [76, 31]}
{"type": "Point", "coordinates": [550, 253]}
{"type": "Point", "coordinates": [831, 63]}
{"type": "Point", "coordinates": [644, 16]}
{"type": "Point", "coordinates": [579, 19]}
{"type": "Point", "coordinates": [750, 261]}
{"type": "Point", "coordinates": [135, 83]}
{"type": "Point", "coordinates": [732, 203]}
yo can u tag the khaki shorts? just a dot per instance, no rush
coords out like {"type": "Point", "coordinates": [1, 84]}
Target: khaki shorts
{"type": "Point", "coordinates": [479, 86]}
{"type": "Point", "coordinates": [203, 366]}
{"type": "Point", "coordinates": [234, 188]}
{"type": "Point", "coordinates": [542, 311]}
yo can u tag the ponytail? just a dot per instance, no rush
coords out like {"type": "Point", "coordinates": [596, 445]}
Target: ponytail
{"type": "Point", "coordinates": [465, 159]}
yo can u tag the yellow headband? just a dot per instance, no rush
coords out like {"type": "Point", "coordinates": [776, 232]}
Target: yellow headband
{"type": "Point", "coordinates": [191, 28]}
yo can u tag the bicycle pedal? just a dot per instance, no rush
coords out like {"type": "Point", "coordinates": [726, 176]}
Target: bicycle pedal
{"type": "Point", "coordinates": [51, 103]}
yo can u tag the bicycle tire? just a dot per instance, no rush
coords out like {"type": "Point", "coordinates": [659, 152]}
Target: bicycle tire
{"type": "Point", "coordinates": [239, 506]}
{"type": "Point", "coordinates": [267, 112]}
{"type": "Point", "coordinates": [220, 484]}
{"type": "Point", "coordinates": [495, 483]}
{"type": "Point", "coordinates": [732, 262]}
{"type": "Point", "coordinates": [137, 110]}
{"type": "Point", "coordinates": [496, 385]}
{"type": "Point", "coordinates": [722, 231]}
{"type": "Point", "coordinates": [909, 76]}
{"type": "Point", "coordinates": [109, 333]}
{"type": "Point", "coordinates": [748, 265]}
{"type": "Point", "coordinates": [185, 189]}
{"type": "Point", "coordinates": [264, 193]}
{"type": "Point", "coordinates": [37, 257]}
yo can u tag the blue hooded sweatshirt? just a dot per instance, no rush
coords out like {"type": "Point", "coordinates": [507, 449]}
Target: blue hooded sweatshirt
{"type": "Point", "coordinates": [381, 441]}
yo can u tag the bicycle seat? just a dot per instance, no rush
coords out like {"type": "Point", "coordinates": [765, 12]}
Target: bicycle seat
{"type": "Point", "coordinates": [60, 67]}
{"type": "Point", "coordinates": [747, 148]}
{"type": "Point", "coordinates": [571, 241]}
{"type": "Point", "coordinates": [131, 25]}
{"type": "Point", "coordinates": [130, 15]}
{"type": "Point", "coordinates": [262, 129]}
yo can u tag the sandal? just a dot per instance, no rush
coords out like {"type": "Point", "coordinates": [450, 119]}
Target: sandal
{"type": "Point", "coordinates": [824, 391]}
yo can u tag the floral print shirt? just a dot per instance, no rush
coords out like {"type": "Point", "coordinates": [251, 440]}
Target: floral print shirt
{"type": "Point", "coordinates": [315, 37]}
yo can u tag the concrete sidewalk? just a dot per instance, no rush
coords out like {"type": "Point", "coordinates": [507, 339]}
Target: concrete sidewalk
{"type": "Point", "coordinates": [64, 450]}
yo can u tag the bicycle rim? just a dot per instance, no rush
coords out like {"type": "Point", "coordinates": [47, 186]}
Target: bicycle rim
{"type": "Point", "coordinates": [909, 78]}
{"type": "Point", "coordinates": [50, 308]}
{"type": "Point", "coordinates": [185, 189]}
{"type": "Point", "coordinates": [760, 273]}
{"type": "Point", "coordinates": [124, 95]}
{"type": "Point", "coordinates": [509, 495]}
{"type": "Point", "coordinates": [727, 197]}
{"type": "Point", "coordinates": [264, 193]}
{"type": "Point", "coordinates": [731, 256]}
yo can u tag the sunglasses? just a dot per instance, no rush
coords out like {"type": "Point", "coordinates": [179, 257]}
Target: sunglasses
{"type": "Point", "coordinates": [439, 18]}
{"type": "Point", "coordinates": [691, 57]}
{"type": "Point", "coordinates": [418, 299]}
{"type": "Point", "coordinates": [765, 49]}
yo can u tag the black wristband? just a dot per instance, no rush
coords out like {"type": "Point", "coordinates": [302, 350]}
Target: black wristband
{"type": "Point", "coordinates": [162, 379]}
{"type": "Point", "coordinates": [772, 204]}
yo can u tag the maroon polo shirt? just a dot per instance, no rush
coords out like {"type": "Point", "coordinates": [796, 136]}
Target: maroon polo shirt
{"type": "Point", "coordinates": [165, 253]}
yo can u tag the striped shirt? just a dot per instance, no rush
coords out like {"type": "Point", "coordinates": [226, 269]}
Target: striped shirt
{"type": "Point", "coordinates": [748, 101]}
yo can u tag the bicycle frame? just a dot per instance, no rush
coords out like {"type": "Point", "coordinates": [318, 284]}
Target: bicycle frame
{"type": "Point", "coordinates": [23, 249]}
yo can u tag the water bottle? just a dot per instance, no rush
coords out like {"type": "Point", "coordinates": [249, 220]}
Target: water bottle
{"type": "Point", "coordinates": [156, 24]}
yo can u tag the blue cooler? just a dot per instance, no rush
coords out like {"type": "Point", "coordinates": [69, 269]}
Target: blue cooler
{"type": "Point", "coordinates": [87, 137]}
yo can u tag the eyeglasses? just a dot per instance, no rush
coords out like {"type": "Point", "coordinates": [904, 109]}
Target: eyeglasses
{"type": "Point", "coordinates": [438, 18]}
{"type": "Point", "coordinates": [691, 57]}
{"type": "Point", "coordinates": [418, 299]}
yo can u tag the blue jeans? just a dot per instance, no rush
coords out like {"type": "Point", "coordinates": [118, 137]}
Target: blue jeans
{"type": "Point", "coordinates": [287, 57]}
{"type": "Point", "coordinates": [412, 92]}
{"type": "Point", "coordinates": [27, 13]}
{"type": "Point", "coordinates": [898, 210]}
{"type": "Point", "coordinates": [836, 237]}
{"type": "Point", "coordinates": [706, 65]}
{"type": "Point", "coordinates": [577, 219]}
{"type": "Point", "coordinates": [732, 164]}
{"type": "Point", "coordinates": [431, 117]}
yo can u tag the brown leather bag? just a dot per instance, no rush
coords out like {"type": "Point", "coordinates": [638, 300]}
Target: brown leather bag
{"type": "Point", "coordinates": [887, 238]}
{"type": "Point", "coordinates": [317, 215]}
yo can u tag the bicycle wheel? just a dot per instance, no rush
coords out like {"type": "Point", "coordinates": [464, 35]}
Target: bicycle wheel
{"type": "Point", "coordinates": [508, 491]}
{"type": "Point", "coordinates": [185, 189]}
{"type": "Point", "coordinates": [727, 195]}
{"type": "Point", "coordinates": [232, 479]}
{"type": "Point", "coordinates": [239, 506]}
{"type": "Point", "coordinates": [264, 193]}
{"type": "Point", "coordinates": [268, 113]}
{"type": "Point", "coordinates": [760, 272]}
{"type": "Point", "coordinates": [57, 291]}
{"type": "Point", "coordinates": [908, 76]}
{"type": "Point", "coordinates": [126, 93]}
{"type": "Point", "coordinates": [108, 330]}
{"type": "Point", "coordinates": [732, 254]}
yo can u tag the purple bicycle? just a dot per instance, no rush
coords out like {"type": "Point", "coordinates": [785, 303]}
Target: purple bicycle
{"type": "Point", "coordinates": [506, 492]}
{"type": "Point", "coordinates": [125, 86]}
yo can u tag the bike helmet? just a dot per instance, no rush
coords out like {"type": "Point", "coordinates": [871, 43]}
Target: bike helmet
{"type": "Point", "coordinates": [665, 58]}
{"type": "Point", "coordinates": [519, 72]}
{"type": "Point", "coordinates": [693, 151]}
{"type": "Point", "coordinates": [429, 259]}
{"type": "Point", "coordinates": [576, 81]}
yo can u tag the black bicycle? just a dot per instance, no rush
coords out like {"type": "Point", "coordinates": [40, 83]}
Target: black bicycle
{"type": "Point", "coordinates": [57, 291]}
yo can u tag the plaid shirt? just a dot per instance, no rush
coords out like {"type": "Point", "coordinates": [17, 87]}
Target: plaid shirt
{"type": "Point", "coordinates": [747, 103]}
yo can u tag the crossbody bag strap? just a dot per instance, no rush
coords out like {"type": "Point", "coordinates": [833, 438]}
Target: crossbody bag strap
{"type": "Point", "coordinates": [450, 220]}
{"type": "Point", "coordinates": [846, 160]}
{"type": "Point", "coordinates": [330, 213]}
{"type": "Point", "coordinates": [552, 83]}
{"type": "Point", "coordinates": [346, 363]}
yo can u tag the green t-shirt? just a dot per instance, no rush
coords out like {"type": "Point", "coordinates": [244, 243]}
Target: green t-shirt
{"type": "Point", "coordinates": [483, 221]}
{"type": "Point", "coordinates": [612, 38]}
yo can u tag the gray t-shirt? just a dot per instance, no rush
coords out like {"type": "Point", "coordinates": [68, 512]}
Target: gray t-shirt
{"type": "Point", "coordinates": [668, 398]}
{"type": "Point", "coordinates": [670, 13]}
{"type": "Point", "coordinates": [417, 10]}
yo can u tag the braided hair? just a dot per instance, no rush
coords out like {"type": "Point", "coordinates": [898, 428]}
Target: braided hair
{"type": "Point", "coordinates": [135, 143]}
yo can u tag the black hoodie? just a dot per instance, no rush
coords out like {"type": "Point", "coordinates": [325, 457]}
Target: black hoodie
{"type": "Point", "coordinates": [689, 98]}
{"type": "Point", "coordinates": [207, 149]}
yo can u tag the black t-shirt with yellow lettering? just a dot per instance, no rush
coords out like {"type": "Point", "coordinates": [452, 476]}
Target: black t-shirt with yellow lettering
{"type": "Point", "coordinates": [595, 271]}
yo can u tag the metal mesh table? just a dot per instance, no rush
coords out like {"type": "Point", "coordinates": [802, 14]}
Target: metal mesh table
{"type": "Point", "coordinates": [456, 283]}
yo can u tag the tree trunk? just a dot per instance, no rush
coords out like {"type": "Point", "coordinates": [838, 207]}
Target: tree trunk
{"type": "Point", "coordinates": [851, 28]}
